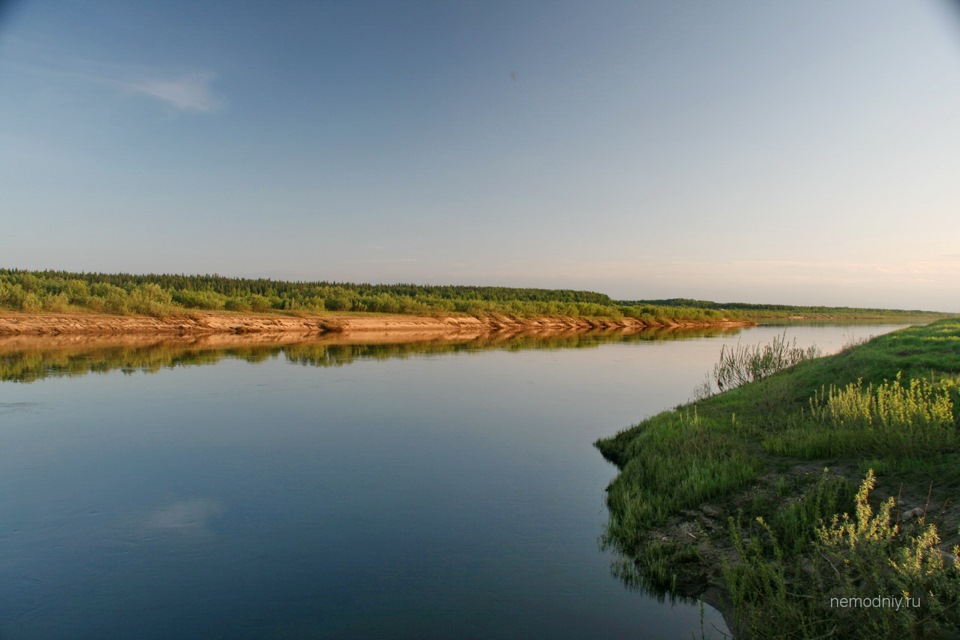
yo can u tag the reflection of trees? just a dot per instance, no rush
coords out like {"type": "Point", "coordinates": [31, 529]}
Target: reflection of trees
{"type": "Point", "coordinates": [19, 363]}
{"type": "Point", "coordinates": [36, 363]}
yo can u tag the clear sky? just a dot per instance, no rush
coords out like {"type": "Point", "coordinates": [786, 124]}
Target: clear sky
{"type": "Point", "coordinates": [802, 152]}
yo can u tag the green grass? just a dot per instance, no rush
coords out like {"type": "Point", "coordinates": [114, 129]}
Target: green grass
{"type": "Point", "coordinates": [779, 591]}
{"type": "Point", "coordinates": [675, 462]}
{"type": "Point", "coordinates": [890, 419]}
{"type": "Point", "coordinates": [890, 404]}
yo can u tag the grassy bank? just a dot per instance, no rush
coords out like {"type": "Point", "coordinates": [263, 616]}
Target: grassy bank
{"type": "Point", "coordinates": [729, 493]}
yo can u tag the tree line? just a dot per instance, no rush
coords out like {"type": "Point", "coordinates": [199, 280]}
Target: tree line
{"type": "Point", "coordinates": [163, 294]}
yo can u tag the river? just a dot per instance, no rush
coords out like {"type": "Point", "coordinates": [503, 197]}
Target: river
{"type": "Point", "coordinates": [435, 490]}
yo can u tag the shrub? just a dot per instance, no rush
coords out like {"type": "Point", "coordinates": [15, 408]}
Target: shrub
{"type": "Point", "coordinates": [77, 292]}
{"type": "Point", "coordinates": [260, 303]}
{"type": "Point", "coordinates": [56, 302]}
{"type": "Point", "coordinates": [237, 304]}
{"type": "Point", "coordinates": [149, 299]}
{"type": "Point", "coordinates": [115, 301]}
{"type": "Point", "coordinates": [12, 295]}
{"type": "Point", "coordinates": [200, 299]}
{"type": "Point", "coordinates": [31, 302]}
{"type": "Point", "coordinates": [337, 304]}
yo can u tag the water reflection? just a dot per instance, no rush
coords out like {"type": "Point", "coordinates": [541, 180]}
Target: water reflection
{"type": "Point", "coordinates": [27, 359]}
{"type": "Point", "coordinates": [193, 517]}
{"type": "Point", "coordinates": [411, 495]}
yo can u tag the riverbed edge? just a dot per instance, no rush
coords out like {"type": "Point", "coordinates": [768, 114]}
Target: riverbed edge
{"type": "Point", "coordinates": [198, 323]}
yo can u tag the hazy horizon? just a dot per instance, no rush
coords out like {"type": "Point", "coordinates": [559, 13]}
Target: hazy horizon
{"type": "Point", "coordinates": [779, 153]}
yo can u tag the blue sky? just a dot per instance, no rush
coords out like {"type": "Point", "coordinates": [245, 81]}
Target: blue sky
{"type": "Point", "coordinates": [791, 152]}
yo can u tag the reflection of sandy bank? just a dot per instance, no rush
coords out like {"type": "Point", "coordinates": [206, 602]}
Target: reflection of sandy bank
{"type": "Point", "coordinates": [25, 358]}
{"type": "Point", "coordinates": [85, 342]}
{"type": "Point", "coordinates": [205, 323]}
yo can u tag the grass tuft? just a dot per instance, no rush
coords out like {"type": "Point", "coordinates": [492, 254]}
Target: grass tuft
{"type": "Point", "coordinates": [742, 365]}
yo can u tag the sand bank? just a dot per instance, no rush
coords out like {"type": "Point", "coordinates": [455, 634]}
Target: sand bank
{"type": "Point", "coordinates": [355, 325]}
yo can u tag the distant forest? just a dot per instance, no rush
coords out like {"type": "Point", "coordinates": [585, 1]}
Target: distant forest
{"type": "Point", "coordinates": [774, 310]}
{"type": "Point", "coordinates": [162, 295]}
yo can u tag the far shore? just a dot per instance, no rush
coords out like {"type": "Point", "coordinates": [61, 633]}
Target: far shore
{"type": "Point", "coordinates": [14, 323]}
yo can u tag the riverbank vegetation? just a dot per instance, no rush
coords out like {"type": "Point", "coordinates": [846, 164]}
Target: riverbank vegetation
{"type": "Point", "coordinates": [166, 295]}
{"type": "Point", "coordinates": [157, 295]}
{"type": "Point", "coordinates": [729, 492]}
{"type": "Point", "coordinates": [773, 312]}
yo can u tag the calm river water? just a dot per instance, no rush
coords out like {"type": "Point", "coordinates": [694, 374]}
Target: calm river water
{"type": "Point", "coordinates": [316, 491]}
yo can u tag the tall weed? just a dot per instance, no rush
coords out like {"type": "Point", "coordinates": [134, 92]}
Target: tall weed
{"type": "Point", "coordinates": [744, 364]}
{"type": "Point", "coordinates": [890, 405]}
{"type": "Point", "coordinates": [892, 417]}
{"type": "Point", "coordinates": [852, 559]}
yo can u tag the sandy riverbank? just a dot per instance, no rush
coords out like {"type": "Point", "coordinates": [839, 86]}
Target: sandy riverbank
{"type": "Point", "coordinates": [201, 323]}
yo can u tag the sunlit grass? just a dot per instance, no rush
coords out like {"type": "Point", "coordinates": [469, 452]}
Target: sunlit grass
{"type": "Point", "coordinates": [799, 591]}
{"type": "Point", "coordinates": [888, 404]}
